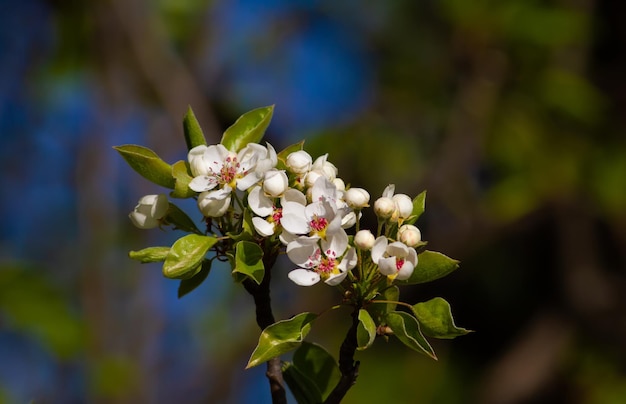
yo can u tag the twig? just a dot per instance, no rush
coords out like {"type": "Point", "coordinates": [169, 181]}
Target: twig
{"type": "Point", "coordinates": [348, 367]}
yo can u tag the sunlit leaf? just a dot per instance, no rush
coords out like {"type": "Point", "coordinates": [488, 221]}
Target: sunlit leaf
{"type": "Point", "coordinates": [186, 255]}
{"type": "Point", "coordinates": [431, 265]}
{"type": "Point", "coordinates": [182, 178]}
{"type": "Point", "coordinates": [366, 330]}
{"type": "Point", "coordinates": [281, 337]}
{"type": "Point", "coordinates": [249, 128]}
{"type": "Point", "coordinates": [150, 254]}
{"type": "Point", "coordinates": [187, 285]}
{"type": "Point", "coordinates": [435, 318]}
{"type": "Point", "coordinates": [314, 373]}
{"type": "Point", "coordinates": [193, 133]}
{"type": "Point", "coordinates": [406, 328]}
{"type": "Point", "coordinates": [249, 261]}
{"type": "Point", "coordinates": [146, 162]}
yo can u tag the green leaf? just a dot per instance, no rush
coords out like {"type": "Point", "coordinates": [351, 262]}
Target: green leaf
{"type": "Point", "coordinates": [186, 255]}
{"type": "Point", "coordinates": [187, 285]}
{"type": "Point", "coordinates": [249, 128]}
{"type": "Point", "coordinates": [282, 155]}
{"type": "Point", "coordinates": [431, 265]}
{"type": "Point", "coordinates": [378, 311]}
{"type": "Point", "coordinates": [247, 233]}
{"type": "Point", "coordinates": [435, 318]}
{"type": "Point", "coordinates": [182, 178]}
{"type": "Point", "coordinates": [147, 164]}
{"type": "Point", "coordinates": [249, 261]}
{"type": "Point", "coordinates": [150, 254]}
{"type": "Point", "coordinates": [419, 205]}
{"type": "Point", "coordinates": [406, 328]}
{"type": "Point", "coordinates": [193, 133]}
{"type": "Point", "coordinates": [313, 374]}
{"type": "Point", "coordinates": [366, 330]}
{"type": "Point", "coordinates": [180, 220]}
{"type": "Point", "coordinates": [281, 337]}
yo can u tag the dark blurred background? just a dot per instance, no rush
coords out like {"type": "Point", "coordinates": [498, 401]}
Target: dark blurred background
{"type": "Point", "coordinates": [511, 114]}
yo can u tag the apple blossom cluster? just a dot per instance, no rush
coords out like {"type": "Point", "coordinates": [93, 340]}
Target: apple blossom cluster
{"type": "Point", "coordinates": [303, 204]}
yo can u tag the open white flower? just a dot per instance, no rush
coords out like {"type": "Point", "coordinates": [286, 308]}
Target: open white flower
{"type": "Point", "coordinates": [324, 260]}
{"type": "Point", "coordinates": [395, 260]}
{"type": "Point", "coordinates": [149, 211]}
{"type": "Point", "coordinates": [268, 214]}
{"type": "Point", "coordinates": [315, 219]}
{"type": "Point", "coordinates": [215, 165]}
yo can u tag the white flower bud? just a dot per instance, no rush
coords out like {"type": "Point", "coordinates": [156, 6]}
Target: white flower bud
{"type": "Point", "coordinates": [339, 184]}
{"type": "Point", "coordinates": [299, 162]}
{"type": "Point", "coordinates": [357, 198]}
{"type": "Point", "coordinates": [364, 239]}
{"type": "Point", "coordinates": [212, 206]}
{"type": "Point", "coordinates": [325, 167]}
{"type": "Point", "coordinates": [149, 211]}
{"type": "Point", "coordinates": [409, 235]}
{"type": "Point", "coordinates": [196, 161]}
{"type": "Point", "coordinates": [311, 177]}
{"type": "Point", "coordinates": [275, 183]}
{"type": "Point", "coordinates": [404, 207]}
{"type": "Point", "coordinates": [384, 207]}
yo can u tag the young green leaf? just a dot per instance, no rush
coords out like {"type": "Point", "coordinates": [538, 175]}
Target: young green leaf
{"type": "Point", "coordinates": [249, 128]}
{"type": "Point", "coordinates": [249, 261]}
{"type": "Point", "coordinates": [180, 220]}
{"type": "Point", "coordinates": [146, 162]}
{"type": "Point", "coordinates": [378, 311]}
{"type": "Point", "coordinates": [187, 285]}
{"type": "Point", "coordinates": [435, 318]}
{"type": "Point", "coordinates": [419, 205]}
{"type": "Point", "coordinates": [186, 255]}
{"type": "Point", "coordinates": [313, 374]}
{"type": "Point", "coordinates": [281, 337]}
{"type": "Point", "coordinates": [406, 328]}
{"type": "Point", "coordinates": [366, 330]}
{"type": "Point", "coordinates": [182, 178]}
{"type": "Point", "coordinates": [431, 265]}
{"type": "Point", "coordinates": [150, 254]}
{"type": "Point", "coordinates": [193, 133]}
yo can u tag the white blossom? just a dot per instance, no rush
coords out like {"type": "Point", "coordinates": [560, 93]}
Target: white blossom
{"type": "Point", "coordinates": [149, 211]}
{"type": "Point", "coordinates": [395, 260]}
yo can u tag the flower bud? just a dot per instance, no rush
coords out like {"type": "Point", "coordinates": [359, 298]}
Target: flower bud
{"type": "Point", "coordinates": [299, 162]}
{"type": "Point", "coordinates": [149, 211]}
{"type": "Point", "coordinates": [404, 207]}
{"type": "Point", "coordinates": [384, 207]}
{"type": "Point", "coordinates": [196, 161]}
{"type": "Point", "coordinates": [357, 198]}
{"type": "Point", "coordinates": [211, 206]}
{"type": "Point", "coordinates": [339, 184]}
{"type": "Point", "coordinates": [364, 239]}
{"type": "Point", "coordinates": [275, 183]}
{"type": "Point", "coordinates": [325, 167]}
{"type": "Point", "coordinates": [311, 177]}
{"type": "Point", "coordinates": [409, 235]}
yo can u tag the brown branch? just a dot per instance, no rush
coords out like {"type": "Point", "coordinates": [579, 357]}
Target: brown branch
{"type": "Point", "coordinates": [264, 318]}
{"type": "Point", "coordinates": [348, 367]}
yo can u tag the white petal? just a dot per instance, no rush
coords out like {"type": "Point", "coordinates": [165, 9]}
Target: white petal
{"type": "Point", "coordinates": [378, 250]}
{"type": "Point", "coordinates": [303, 252]}
{"type": "Point", "coordinates": [202, 183]}
{"type": "Point", "coordinates": [249, 180]}
{"type": "Point", "coordinates": [336, 279]}
{"type": "Point", "coordinates": [336, 242]}
{"type": "Point", "coordinates": [389, 190]}
{"type": "Point", "coordinates": [263, 227]}
{"type": "Point", "coordinates": [293, 195]}
{"type": "Point", "coordinates": [304, 277]}
{"type": "Point", "coordinates": [398, 249]}
{"type": "Point", "coordinates": [259, 203]}
{"type": "Point", "coordinates": [405, 271]}
{"type": "Point", "coordinates": [387, 266]}
{"type": "Point", "coordinates": [294, 220]}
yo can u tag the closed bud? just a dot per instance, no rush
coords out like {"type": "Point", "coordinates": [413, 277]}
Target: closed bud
{"type": "Point", "coordinates": [404, 207]}
{"type": "Point", "coordinates": [210, 206]}
{"type": "Point", "coordinates": [357, 198]}
{"type": "Point", "coordinates": [384, 207]}
{"type": "Point", "coordinates": [299, 162]}
{"type": "Point", "coordinates": [409, 235]}
{"type": "Point", "coordinates": [364, 239]}
{"type": "Point", "coordinates": [149, 211]}
{"type": "Point", "coordinates": [275, 183]}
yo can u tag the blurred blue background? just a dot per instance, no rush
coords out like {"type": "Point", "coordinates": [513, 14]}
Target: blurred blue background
{"type": "Point", "coordinates": [510, 114]}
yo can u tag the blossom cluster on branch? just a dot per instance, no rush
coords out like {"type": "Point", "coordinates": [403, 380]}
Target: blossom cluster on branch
{"type": "Point", "coordinates": [255, 204]}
